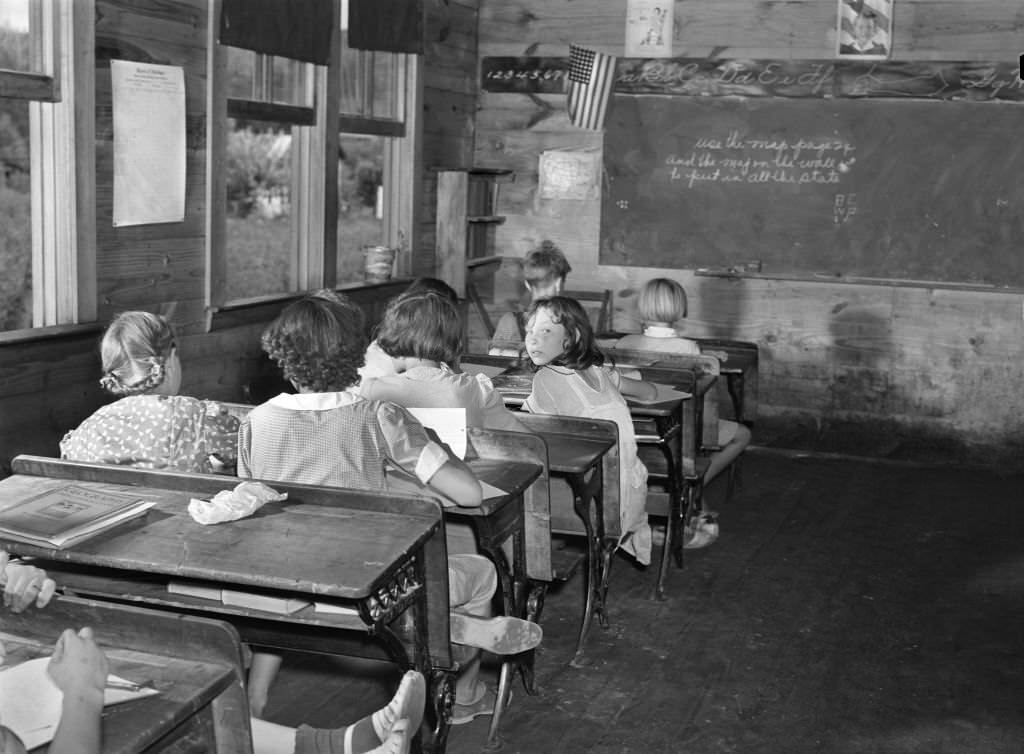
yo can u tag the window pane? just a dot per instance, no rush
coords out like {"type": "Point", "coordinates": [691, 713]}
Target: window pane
{"type": "Point", "coordinates": [289, 78]}
{"type": "Point", "coordinates": [15, 217]}
{"type": "Point", "coordinates": [241, 66]}
{"type": "Point", "coordinates": [15, 41]}
{"type": "Point", "coordinates": [260, 251]}
{"type": "Point", "coordinates": [360, 191]}
{"type": "Point", "coordinates": [385, 86]}
{"type": "Point", "coordinates": [266, 78]}
{"type": "Point", "coordinates": [353, 83]}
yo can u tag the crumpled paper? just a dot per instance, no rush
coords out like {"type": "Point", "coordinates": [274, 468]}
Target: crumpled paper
{"type": "Point", "coordinates": [230, 505]}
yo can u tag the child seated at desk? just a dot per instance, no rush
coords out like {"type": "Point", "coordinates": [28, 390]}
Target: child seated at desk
{"type": "Point", "coordinates": [151, 426]}
{"type": "Point", "coordinates": [330, 435]}
{"type": "Point", "coordinates": [421, 335]}
{"type": "Point", "coordinates": [79, 668]}
{"type": "Point", "coordinates": [572, 380]}
{"type": "Point", "coordinates": [544, 271]}
{"type": "Point", "coordinates": [661, 304]}
{"type": "Point", "coordinates": [379, 364]}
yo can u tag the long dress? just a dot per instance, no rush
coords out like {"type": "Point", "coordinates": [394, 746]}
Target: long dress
{"type": "Point", "coordinates": [593, 393]}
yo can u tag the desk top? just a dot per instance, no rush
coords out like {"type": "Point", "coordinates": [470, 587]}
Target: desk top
{"type": "Point", "coordinates": [192, 662]}
{"type": "Point", "coordinates": [184, 685]}
{"type": "Point", "coordinates": [269, 549]}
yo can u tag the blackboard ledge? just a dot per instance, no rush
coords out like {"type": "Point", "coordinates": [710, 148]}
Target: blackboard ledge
{"type": "Point", "coordinates": [823, 277]}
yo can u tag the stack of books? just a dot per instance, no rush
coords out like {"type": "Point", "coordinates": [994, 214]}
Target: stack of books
{"type": "Point", "coordinates": [66, 515]}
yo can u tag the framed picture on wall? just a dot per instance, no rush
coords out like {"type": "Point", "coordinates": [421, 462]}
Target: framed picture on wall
{"type": "Point", "coordinates": [864, 29]}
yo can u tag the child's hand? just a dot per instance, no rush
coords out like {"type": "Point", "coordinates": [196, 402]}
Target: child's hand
{"type": "Point", "coordinates": [78, 665]}
{"type": "Point", "coordinates": [24, 584]}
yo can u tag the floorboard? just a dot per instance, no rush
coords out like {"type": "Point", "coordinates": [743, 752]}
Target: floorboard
{"type": "Point", "coordinates": [848, 606]}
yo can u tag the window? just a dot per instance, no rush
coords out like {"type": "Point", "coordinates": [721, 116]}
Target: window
{"type": "Point", "coordinates": [373, 148]}
{"type": "Point", "coordinates": [304, 190]}
{"type": "Point", "coordinates": [269, 114]}
{"type": "Point", "coordinates": [46, 241]}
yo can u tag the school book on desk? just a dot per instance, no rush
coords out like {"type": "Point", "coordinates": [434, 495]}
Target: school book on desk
{"type": "Point", "coordinates": [65, 515]}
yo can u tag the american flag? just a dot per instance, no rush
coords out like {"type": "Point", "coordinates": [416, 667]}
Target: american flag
{"type": "Point", "coordinates": [591, 78]}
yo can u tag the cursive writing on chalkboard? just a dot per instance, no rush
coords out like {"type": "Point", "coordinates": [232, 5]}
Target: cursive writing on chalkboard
{"type": "Point", "coordinates": [738, 158]}
{"type": "Point", "coordinates": [885, 79]}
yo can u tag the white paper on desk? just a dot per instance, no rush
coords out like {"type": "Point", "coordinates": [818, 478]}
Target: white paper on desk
{"type": "Point", "coordinates": [665, 393]}
{"type": "Point", "coordinates": [30, 701]}
{"type": "Point", "coordinates": [448, 423]}
{"type": "Point", "coordinates": [489, 370]}
{"type": "Point", "coordinates": [490, 490]}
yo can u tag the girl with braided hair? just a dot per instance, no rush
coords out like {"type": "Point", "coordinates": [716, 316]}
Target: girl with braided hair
{"type": "Point", "coordinates": [151, 426]}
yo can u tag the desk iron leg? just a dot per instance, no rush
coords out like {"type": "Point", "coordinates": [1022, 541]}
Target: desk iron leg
{"type": "Point", "coordinates": [581, 496]}
{"type": "Point", "coordinates": [441, 690]}
{"type": "Point", "coordinates": [504, 689]}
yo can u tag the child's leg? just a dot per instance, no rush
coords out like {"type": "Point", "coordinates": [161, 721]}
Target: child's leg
{"type": "Point", "coordinates": [729, 452]}
{"type": "Point", "coordinates": [369, 734]}
{"type": "Point", "coordinates": [472, 582]}
{"type": "Point", "coordinates": [261, 675]}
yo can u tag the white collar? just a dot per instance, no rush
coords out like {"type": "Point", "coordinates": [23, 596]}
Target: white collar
{"type": "Point", "coordinates": [316, 401]}
{"type": "Point", "coordinates": [660, 331]}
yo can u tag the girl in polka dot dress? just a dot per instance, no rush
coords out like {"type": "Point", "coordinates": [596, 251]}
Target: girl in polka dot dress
{"type": "Point", "coordinates": [151, 426]}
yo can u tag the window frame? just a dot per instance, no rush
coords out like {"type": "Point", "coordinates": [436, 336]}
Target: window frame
{"type": "Point", "coordinates": [315, 193]}
{"type": "Point", "coordinates": [63, 166]}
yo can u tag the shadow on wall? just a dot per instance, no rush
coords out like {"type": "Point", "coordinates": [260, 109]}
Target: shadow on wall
{"type": "Point", "coordinates": [719, 307]}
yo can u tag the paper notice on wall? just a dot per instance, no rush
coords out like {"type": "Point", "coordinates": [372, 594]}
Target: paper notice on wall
{"type": "Point", "coordinates": [149, 143]}
{"type": "Point", "coordinates": [569, 174]}
{"type": "Point", "coordinates": [649, 28]}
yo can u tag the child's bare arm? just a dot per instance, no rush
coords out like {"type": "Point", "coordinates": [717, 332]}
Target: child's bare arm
{"type": "Point", "coordinates": [455, 480]}
{"type": "Point", "coordinates": [79, 668]}
{"type": "Point", "coordinates": [640, 389]}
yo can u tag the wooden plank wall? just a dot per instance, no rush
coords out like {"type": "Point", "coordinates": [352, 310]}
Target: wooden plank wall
{"type": "Point", "coordinates": [449, 107]}
{"type": "Point", "coordinates": [942, 364]}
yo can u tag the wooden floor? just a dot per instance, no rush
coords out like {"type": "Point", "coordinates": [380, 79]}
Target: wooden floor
{"type": "Point", "coordinates": [848, 606]}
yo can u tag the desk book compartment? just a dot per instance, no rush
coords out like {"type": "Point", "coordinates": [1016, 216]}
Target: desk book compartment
{"type": "Point", "coordinates": [68, 514]}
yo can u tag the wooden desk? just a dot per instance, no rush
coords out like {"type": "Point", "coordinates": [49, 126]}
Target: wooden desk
{"type": "Point", "coordinates": [674, 429]}
{"type": "Point", "coordinates": [585, 452]}
{"type": "Point", "coordinates": [381, 553]}
{"type": "Point", "coordinates": [195, 664]}
{"type": "Point", "coordinates": [739, 363]}
{"type": "Point", "coordinates": [519, 520]}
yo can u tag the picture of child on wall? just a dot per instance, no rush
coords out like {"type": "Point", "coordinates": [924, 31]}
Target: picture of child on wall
{"type": "Point", "coordinates": [864, 29]}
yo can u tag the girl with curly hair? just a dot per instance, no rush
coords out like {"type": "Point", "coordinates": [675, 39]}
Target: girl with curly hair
{"type": "Point", "coordinates": [330, 435]}
{"type": "Point", "coordinates": [151, 426]}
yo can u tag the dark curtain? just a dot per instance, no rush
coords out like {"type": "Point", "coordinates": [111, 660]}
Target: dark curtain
{"type": "Point", "coordinates": [297, 29]}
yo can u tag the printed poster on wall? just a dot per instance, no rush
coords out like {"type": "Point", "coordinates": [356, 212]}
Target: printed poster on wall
{"type": "Point", "coordinates": [569, 174]}
{"type": "Point", "coordinates": [149, 143]}
{"type": "Point", "coordinates": [649, 25]}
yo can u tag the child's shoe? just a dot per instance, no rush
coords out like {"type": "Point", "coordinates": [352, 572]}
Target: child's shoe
{"type": "Point", "coordinates": [701, 532]}
{"type": "Point", "coordinates": [483, 705]}
{"type": "Point", "coordinates": [501, 635]}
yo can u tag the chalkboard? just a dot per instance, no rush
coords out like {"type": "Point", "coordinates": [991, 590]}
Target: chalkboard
{"type": "Point", "coordinates": [923, 190]}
